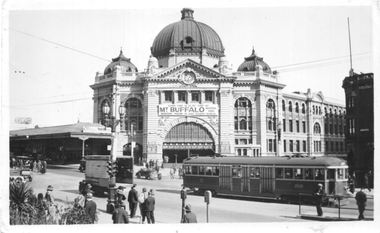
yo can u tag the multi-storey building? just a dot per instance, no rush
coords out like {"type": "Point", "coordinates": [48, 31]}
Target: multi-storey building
{"type": "Point", "coordinates": [360, 124]}
{"type": "Point", "coordinates": [188, 101]}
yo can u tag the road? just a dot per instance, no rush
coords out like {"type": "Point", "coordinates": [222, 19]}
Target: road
{"type": "Point", "coordinates": [65, 181]}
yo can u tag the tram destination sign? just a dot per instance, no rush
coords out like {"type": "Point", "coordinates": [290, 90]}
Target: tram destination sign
{"type": "Point", "coordinates": [187, 109]}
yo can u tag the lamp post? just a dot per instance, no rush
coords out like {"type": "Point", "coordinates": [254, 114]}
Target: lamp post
{"type": "Point", "coordinates": [132, 133]}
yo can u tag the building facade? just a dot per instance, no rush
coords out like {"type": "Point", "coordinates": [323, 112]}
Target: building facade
{"type": "Point", "coordinates": [189, 102]}
{"type": "Point", "coordinates": [360, 124]}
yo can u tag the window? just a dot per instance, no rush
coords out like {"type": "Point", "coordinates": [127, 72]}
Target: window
{"type": "Point", "coordinates": [284, 145]}
{"type": "Point", "coordinates": [243, 114]}
{"type": "Point", "coordinates": [303, 108]}
{"type": "Point", "coordinates": [270, 146]}
{"type": "Point", "coordinates": [326, 128]}
{"type": "Point", "coordinates": [288, 173]}
{"type": "Point", "coordinates": [182, 96]}
{"type": "Point", "coordinates": [236, 171]}
{"type": "Point", "coordinates": [291, 145]}
{"type": "Point", "coordinates": [308, 173]}
{"type": "Point", "coordinates": [195, 96]}
{"type": "Point", "coordinates": [297, 108]}
{"type": "Point", "coordinates": [283, 125]}
{"type": "Point", "coordinates": [303, 127]}
{"type": "Point", "coordinates": [243, 124]}
{"type": "Point", "coordinates": [326, 146]}
{"type": "Point", "coordinates": [290, 125]}
{"type": "Point", "coordinates": [255, 172]}
{"type": "Point", "coordinates": [168, 96]}
{"type": "Point", "coordinates": [243, 141]}
{"type": "Point", "coordinates": [133, 115]}
{"type": "Point", "coordinates": [331, 174]}
{"type": "Point", "coordinates": [290, 107]}
{"type": "Point", "coordinates": [209, 96]}
{"type": "Point", "coordinates": [236, 141]}
{"type": "Point", "coordinates": [239, 152]}
{"type": "Point", "coordinates": [304, 146]}
{"type": "Point", "coordinates": [298, 173]}
{"type": "Point", "coordinates": [245, 152]}
{"type": "Point", "coordinates": [208, 171]}
{"type": "Point", "coordinates": [319, 174]}
{"type": "Point", "coordinates": [215, 171]}
{"type": "Point", "coordinates": [298, 126]}
{"type": "Point", "coordinates": [298, 146]}
{"type": "Point", "coordinates": [194, 170]}
{"type": "Point", "coordinates": [201, 170]}
{"type": "Point", "coordinates": [283, 105]}
{"type": "Point", "coordinates": [340, 173]}
{"type": "Point", "coordinates": [187, 169]}
{"type": "Point", "coordinates": [317, 128]}
{"type": "Point", "coordinates": [280, 173]}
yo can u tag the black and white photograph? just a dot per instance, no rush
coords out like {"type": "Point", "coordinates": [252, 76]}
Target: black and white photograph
{"type": "Point", "coordinates": [232, 115]}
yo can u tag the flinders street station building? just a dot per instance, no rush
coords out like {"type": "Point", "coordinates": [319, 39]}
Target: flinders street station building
{"type": "Point", "coordinates": [189, 102]}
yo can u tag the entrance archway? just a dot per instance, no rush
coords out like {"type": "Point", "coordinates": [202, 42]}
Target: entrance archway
{"type": "Point", "coordinates": [187, 139]}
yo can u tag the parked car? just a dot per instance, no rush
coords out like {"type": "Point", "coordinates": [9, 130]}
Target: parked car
{"type": "Point", "coordinates": [148, 174]}
{"type": "Point", "coordinates": [23, 174]}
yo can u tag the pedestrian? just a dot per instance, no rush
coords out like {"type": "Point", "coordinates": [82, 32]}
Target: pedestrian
{"type": "Point", "coordinates": [142, 197]}
{"type": "Point", "coordinates": [319, 194]}
{"type": "Point", "coordinates": [180, 172]}
{"type": "Point", "coordinates": [361, 199]}
{"type": "Point", "coordinates": [120, 196]}
{"type": "Point", "coordinates": [39, 165]}
{"type": "Point", "coordinates": [133, 200]}
{"type": "Point", "coordinates": [41, 207]}
{"type": "Point", "coordinates": [90, 208]}
{"type": "Point", "coordinates": [366, 185]}
{"type": "Point", "coordinates": [171, 173]}
{"type": "Point", "coordinates": [34, 165]}
{"type": "Point", "coordinates": [120, 215]}
{"type": "Point", "coordinates": [32, 199]}
{"type": "Point", "coordinates": [50, 201]}
{"type": "Point", "coordinates": [150, 203]}
{"type": "Point", "coordinates": [43, 167]}
{"type": "Point", "coordinates": [80, 201]}
{"type": "Point", "coordinates": [189, 217]}
{"type": "Point", "coordinates": [351, 183]}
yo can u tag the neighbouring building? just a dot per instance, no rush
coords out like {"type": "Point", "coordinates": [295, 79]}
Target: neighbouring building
{"type": "Point", "coordinates": [360, 125]}
{"type": "Point", "coordinates": [188, 101]}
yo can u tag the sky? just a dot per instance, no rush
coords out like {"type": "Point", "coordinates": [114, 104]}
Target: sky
{"type": "Point", "coordinates": [56, 47]}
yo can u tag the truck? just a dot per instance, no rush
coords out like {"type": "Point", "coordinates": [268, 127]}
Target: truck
{"type": "Point", "coordinates": [96, 173]}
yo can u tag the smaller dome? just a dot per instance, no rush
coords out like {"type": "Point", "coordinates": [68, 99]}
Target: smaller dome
{"type": "Point", "coordinates": [125, 64]}
{"type": "Point", "coordinates": [252, 63]}
{"type": "Point", "coordinates": [153, 62]}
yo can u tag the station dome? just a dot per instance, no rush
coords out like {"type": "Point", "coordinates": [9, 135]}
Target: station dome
{"type": "Point", "coordinates": [187, 37]}
{"type": "Point", "coordinates": [251, 63]}
{"type": "Point", "coordinates": [125, 64]}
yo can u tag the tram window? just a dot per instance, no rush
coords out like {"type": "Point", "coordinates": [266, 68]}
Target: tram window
{"type": "Point", "coordinates": [201, 170]}
{"type": "Point", "coordinates": [319, 174]}
{"type": "Point", "coordinates": [340, 173]}
{"type": "Point", "coordinates": [308, 173]}
{"type": "Point", "coordinates": [331, 174]}
{"type": "Point", "coordinates": [215, 171]}
{"type": "Point", "coordinates": [255, 172]}
{"type": "Point", "coordinates": [208, 171]}
{"type": "Point", "coordinates": [236, 171]}
{"type": "Point", "coordinates": [345, 173]}
{"type": "Point", "coordinates": [187, 170]}
{"type": "Point", "coordinates": [279, 173]}
{"type": "Point", "coordinates": [194, 170]}
{"type": "Point", "coordinates": [288, 173]}
{"type": "Point", "coordinates": [298, 173]}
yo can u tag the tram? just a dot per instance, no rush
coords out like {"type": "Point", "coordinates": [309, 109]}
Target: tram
{"type": "Point", "coordinates": [282, 178]}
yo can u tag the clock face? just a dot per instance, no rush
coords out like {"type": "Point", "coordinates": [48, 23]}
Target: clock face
{"type": "Point", "coordinates": [188, 78]}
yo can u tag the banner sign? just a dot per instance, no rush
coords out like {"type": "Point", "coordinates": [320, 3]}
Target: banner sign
{"type": "Point", "coordinates": [187, 109]}
{"type": "Point", "coordinates": [23, 120]}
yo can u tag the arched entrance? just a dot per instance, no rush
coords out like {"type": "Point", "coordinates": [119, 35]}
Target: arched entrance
{"type": "Point", "coordinates": [137, 152]}
{"type": "Point", "coordinates": [187, 139]}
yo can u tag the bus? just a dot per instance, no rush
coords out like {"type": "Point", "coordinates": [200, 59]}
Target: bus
{"type": "Point", "coordinates": [282, 178]}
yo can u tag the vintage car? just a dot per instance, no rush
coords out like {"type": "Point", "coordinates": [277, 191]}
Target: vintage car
{"type": "Point", "coordinates": [148, 174]}
{"type": "Point", "coordinates": [23, 174]}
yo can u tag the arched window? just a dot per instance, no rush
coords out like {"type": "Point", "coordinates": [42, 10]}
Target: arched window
{"type": "Point", "coordinates": [303, 108]}
{"type": "Point", "coordinates": [297, 108]}
{"type": "Point", "coordinates": [290, 106]}
{"type": "Point", "coordinates": [243, 114]}
{"type": "Point", "coordinates": [271, 115]}
{"type": "Point", "coordinates": [283, 105]}
{"type": "Point", "coordinates": [133, 114]}
{"type": "Point", "coordinates": [317, 128]}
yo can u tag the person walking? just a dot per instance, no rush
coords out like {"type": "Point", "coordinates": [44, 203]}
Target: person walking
{"type": "Point", "coordinates": [32, 199]}
{"type": "Point", "coordinates": [361, 199]}
{"type": "Point", "coordinates": [50, 201]}
{"type": "Point", "coordinates": [41, 207]}
{"type": "Point", "coordinates": [150, 203]}
{"type": "Point", "coordinates": [366, 185]}
{"type": "Point", "coordinates": [35, 166]}
{"type": "Point", "coordinates": [39, 166]}
{"type": "Point", "coordinates": [319, 194]}
{"type": "Point", "coordinates": [120, 196]}
{"type": "Point", "coordinates": [90, 208]}
{"type": "Point", "coordinates": [133, 200]}
{"type": "Point", "coordinates": [142, 197]}
{"type": "Point", "coordinates": [120, 215]}
{"type": "Point", "coordinates": [189, 217]}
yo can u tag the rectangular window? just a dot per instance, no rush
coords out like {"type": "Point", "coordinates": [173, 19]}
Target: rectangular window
{"type": "Point", "coordinates": [326, 146]}
{"type": "Point", "coordinates": [194, 170]}
{"type": "Point", "coordinates": [309, 173]}
{"type": "Point", "coordinates": [291, 145]}
{"type": "Point", "coordinates": [236, 141]}
{"type": "Point", "coordinates": [284, 145]}
{"type": "Point", "coordinates": [243, 141]}
{"type": "Point", "coordinates": [298, 126]}
{"type": "Point", "coordinates": [319, 174]}
{"type": "Point", "coordinates": [182, 96]}
{"type": "Point", "coordinates": [279, 173]}
{"type": "Point", "coordinates": [195, 96]}
{"type": "Point", "coordinates": [255, 172]}
{"type": "Point", "coordinates": [303, 127]}
{"type": "Point", "coordinates": [298, 146]}
{"type": "Point", "coordinates": [187, 169]}
{"type": "Point", "coordinates": [270, 148]}
{"type": "Point", "coordinates": [304, 146]}
{"type": "Point", "coordinates": [331, 174]}
{"type": "Point", "coordinates": [236, 171]}
{"type": "Point", "coordinates": [245, 152]}
{"type": "Point", "coordinates": [283, 125]}
{"type": "Point", "coordinates": [208, 171]}
{"type": "Point", "coordinates": [298, 173]}
{"type": "Point", "coordinates": [290, 125]}
{"type": "Point", "coordinates": [288, 173]}
{"type": "Point", "coordinates": [215, 171]}
{"type": "Point", "coordinates": [209, 96]}
{"type": "Point", "coordinates": [168, 96]}
{"type": "Point", "coordinates": [202, 170]}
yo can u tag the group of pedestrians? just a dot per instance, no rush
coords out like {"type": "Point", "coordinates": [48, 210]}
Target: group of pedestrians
{"type": "Point", "coordinates": [145, 201]}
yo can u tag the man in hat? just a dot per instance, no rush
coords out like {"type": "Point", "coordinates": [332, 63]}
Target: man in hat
{"type": "Point", "coordinates": [361, 199]}
{"type": "Point", "coordinates": [49, 196]}
{"type": "Point", "coordinates": [319, 193]}
{"type": "Point", "coordinates": [120, 215]}
{"type": "Point", "coordinates": [133, 197]}
{"type": "Point", "coordinates": [90, 208]}
{"type": "Point", "coordinates": [142, 197]}
{"type": "Point", "coordinates": [189, 217]}
{"type": "Point", "coordinates": [150, 202]}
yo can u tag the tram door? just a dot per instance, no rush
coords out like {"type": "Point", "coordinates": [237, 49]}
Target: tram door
{"type": "Point", "coordinates": [266, 179]}
{"type": "Point", "coordinates": [225, 177]}
{"type": "Point", "coordinates": [245, 179]}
